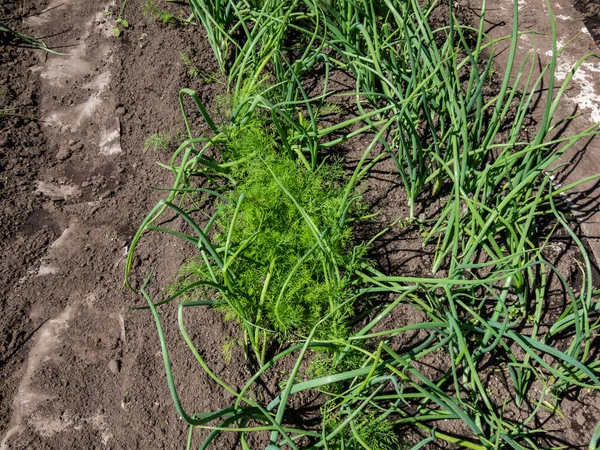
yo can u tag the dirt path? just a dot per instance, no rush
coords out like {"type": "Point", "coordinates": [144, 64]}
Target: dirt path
{"type": "Point", "coordinates": [79, 369]}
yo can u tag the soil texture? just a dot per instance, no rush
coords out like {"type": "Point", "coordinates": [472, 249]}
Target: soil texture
{"type": "Point", "coordinates": [79, 368]}
{"type": "Point", "coordinates": [590, 9]}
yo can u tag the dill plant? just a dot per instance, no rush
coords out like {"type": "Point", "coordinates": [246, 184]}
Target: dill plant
{"type": "Point", "coordinates": [158, 141]}
{"type": "Point", "coordinates": [280, 276]}
{"type": "Point", "coordinates": [367, 430]}
{"type": "Point", "coordinates": [154, 13]}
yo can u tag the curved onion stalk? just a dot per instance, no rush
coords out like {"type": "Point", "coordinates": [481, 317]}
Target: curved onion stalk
{"type": "Point", "coordinates": [27, 40]}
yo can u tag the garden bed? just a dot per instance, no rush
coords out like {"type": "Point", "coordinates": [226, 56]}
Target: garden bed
{"type": "Point", "coordinates": [95, 368]}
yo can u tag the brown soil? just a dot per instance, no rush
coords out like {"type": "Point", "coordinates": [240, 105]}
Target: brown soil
{"type": "Point", "coordinates": [79, 369]}
{"type": "Point", "coordinates": [590, 9]}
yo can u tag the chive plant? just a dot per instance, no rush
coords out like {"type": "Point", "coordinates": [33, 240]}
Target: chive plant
{"type": "Point", "coordinates": [277, 253]}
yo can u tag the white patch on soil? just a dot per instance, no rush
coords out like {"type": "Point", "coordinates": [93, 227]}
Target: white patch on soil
{"type": "Point", "coordinates": [100, 83]}
{"type": "Point", "coordinates": [44, 16]}
{"type": "Point", "coordinates": [122, 324]}
{"type": "Point", "coordinates": [58, 70]}
{"type": "Point", "coordinates": [75, 117]}
{"type": "Point", "coordinates": [28, 399]}
{"type": "Point", "coordinates": [64, 237]}
{"type": "Point", "coordinates": [48, 426]}
{"type": "Point", "coordinates": [64, 192]}
{"type": "Point", "coordinates": [27, 414]}
{"type": "Point", "coordinates": [45, 269]}
{"type": "Point", "coordinates": [110, 143]}
{"type": "Point", "coordinates": [98, 422]}
{"type": "Point", "coordinates": [85, 110]}
{"type": "Point", "coordinates": [587, 98]}
{"type": "Point", "coordinates": [103, 25]}
{"type": "Point", "coordinates": [92, 111]}
{"type": "Point", "coordinates": [559, 45]}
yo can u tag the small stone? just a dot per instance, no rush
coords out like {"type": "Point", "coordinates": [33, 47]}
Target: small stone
{"type": "Point", "coordinates": [114, 366]}
{"type": "Point", "coordinates": [120, 111]}
{"type": "Point", "coordinates": [72, 142]}
{"type": "Point", "coordinates": [86, 183]}
{"type": "Point", "coordinates": [63, 153]}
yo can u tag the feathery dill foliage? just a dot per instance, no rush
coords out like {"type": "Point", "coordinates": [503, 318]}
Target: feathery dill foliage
{"type": "Point", "coordinates": [279, 281]}
{"type": "Point", "coordinates": [368, 431]}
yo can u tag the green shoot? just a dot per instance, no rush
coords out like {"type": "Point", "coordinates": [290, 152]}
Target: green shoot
{"type": "Point", "coordinates": [159, 142]}
{"type": "Point", "coordinates": [153, 13]}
